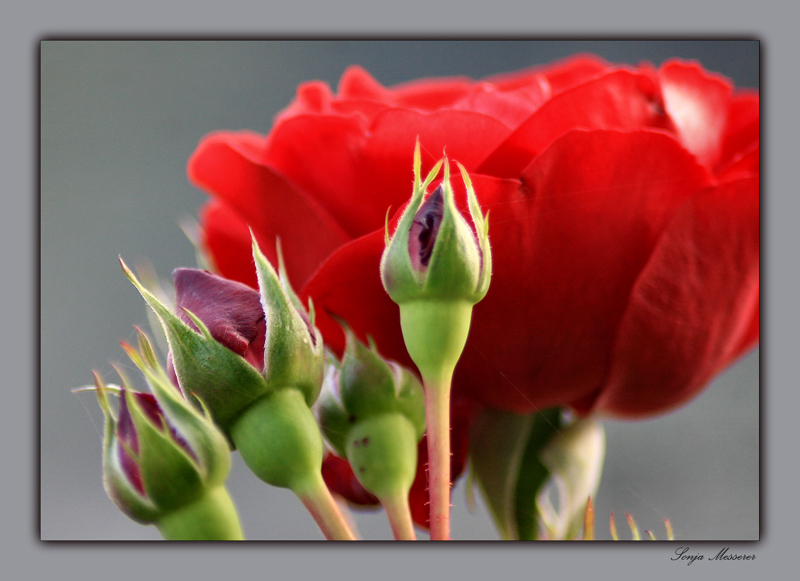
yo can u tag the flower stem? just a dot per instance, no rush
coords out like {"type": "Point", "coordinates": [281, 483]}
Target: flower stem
{"type": "Point", "coordinates": [212, 517]}
{"type": "Point", "coordinates": [316, 497]}
{"type": "Point", "coordinates": [399, 514]}
{"type": "Point", "coordinates": [437, 410]}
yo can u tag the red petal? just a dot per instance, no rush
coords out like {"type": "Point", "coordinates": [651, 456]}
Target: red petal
{"type": "Point", "coordinates": [227, 166]}
{"type": "Point", "coordinates": [742, 127]}
{"type": "Point", "coordinates": [693, 308]}
{"type": "Point", "coordinates": [621, 99]}
{"type": "Point", "coordinates": [567, 248]}
{"type": "Point", "coordinates": [698, 103]}
{"type": "Point", "coordinates": [431, 94]}
{"type": "Point", "coordinates": [341, 480]}
{"type": "Point", "coordinates": [511, 107]}
{"type": "Point", "coordinates": [358, 83]}
{"type": "Point", "coordinates": [312, 97]}
{"type": "Point", "coordinates": [747, 165]}
{"type": "Point", "coordinates": [559, 76]}
{"type": "Point", "coordinates": [226, 238]}
{"type": "Point", "coordinates": [231, 310]}
{"type": "Point", "coordinates": [358, 172]}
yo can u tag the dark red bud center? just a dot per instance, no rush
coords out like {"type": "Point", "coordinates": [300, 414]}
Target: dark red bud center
{"type": "Point", "coordinates": [425, 228]}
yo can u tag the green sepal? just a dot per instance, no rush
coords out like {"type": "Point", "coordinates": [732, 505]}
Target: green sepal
{"type": "Point", "coordinates": [170, 476]}
{"type": "Point", "coordinates": [397, 273]}
{"type": "Point", "coordinates": [116, 484]}
{"type": "Point", "coordinates": [481, 223]}
{"type": "Point", "coordinates": [206, 369]}
{"type": "Point", "coordinates": [453, 272]}
{"type": "Point", "coordinates": [196, 427]}
{"type": "Point", "coordinates": [294, 352]}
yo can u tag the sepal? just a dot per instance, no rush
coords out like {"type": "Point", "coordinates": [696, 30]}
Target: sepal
{"type": "Point", "coordinates": [207, 370]}
{"type": "Point", "coordinates": [294, 353]}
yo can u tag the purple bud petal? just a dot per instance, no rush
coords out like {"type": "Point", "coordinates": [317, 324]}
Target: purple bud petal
{"type": "Point", "coordinates": [126, 434]}
{"type": "Point", "coordinates": [232, 311]}
{"type": "Point", "coordinates": [424, 230]}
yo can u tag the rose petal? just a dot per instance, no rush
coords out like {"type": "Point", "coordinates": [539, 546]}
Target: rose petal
{"type": "Point", "coordinates": [374, 164]}
{"type": "Point", "coordinates": [559, 76]}
{"type": "Point", "coordinates": [225, 238]}
{"type": "Point", "coordinates": [231, 310]}
{"type": "Point", "coordinates": [567, 248]}
{"type": "Point", "coordinates": [341, 480]}
{"type": "Point", "coordinates": [511, 107]}
{"type": "Point", "coordinates": [311, 97]}
{"type": "Point", "coordinates": [747, 165]}
{"type": "Point", "coordinates": [226, 165]}
{"type": "Point", "coordinates": [692, 309]}
{"type": "Point", "coordinates": [698, 103]}
{"type": "Point", "coordinates": [620, 99]}
{"type": "Point", "coordinates": [742, 127]}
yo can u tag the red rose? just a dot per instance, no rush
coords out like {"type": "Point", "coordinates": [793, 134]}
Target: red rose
{"type": "Point", "coordinates": [624, 221]}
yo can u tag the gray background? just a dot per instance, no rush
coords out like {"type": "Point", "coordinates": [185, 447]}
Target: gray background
{"type": "Point", "coordinates": [119, 119]}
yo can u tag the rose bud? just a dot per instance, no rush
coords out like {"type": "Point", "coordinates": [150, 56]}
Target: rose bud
{"type": "Point", "coordinates": [372, 412]}
{"type": "Point", "coordinates": [436, 267]}
{"type": "Point", "coordinates": [164, 462]}
{"type": "Point", "coordinates": [255, 361]}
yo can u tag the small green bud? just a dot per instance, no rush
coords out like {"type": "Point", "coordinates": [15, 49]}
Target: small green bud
{"type": "Point", "coordinates": [372, 411]}
{"type": "Point", "coordinates": [435, 253]}
{"type": "Point", "coordinates": [436, 267]}
{"type": "Point", "coordinates": [162, 457]}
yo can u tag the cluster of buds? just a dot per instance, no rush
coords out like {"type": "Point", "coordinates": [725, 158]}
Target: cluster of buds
{"type": "Point", "coordinates": [245, 368]}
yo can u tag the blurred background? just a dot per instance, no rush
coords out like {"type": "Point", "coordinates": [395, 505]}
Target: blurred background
{"type": "Point", "coordinates": [119, 119]}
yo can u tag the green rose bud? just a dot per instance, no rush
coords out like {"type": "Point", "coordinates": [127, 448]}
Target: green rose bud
{"type": "Point", "coordinates": [372, 411]}
{"type": "Point", "coordinates": [165, 462]}
{"type": "Point", "coordinates": [436, 267]}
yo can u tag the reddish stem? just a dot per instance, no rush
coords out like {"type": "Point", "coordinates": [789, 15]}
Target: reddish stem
{"type": "Point", "coordinates": [437, 419]}
{"type": "Point", "coordinates": [320, 503]}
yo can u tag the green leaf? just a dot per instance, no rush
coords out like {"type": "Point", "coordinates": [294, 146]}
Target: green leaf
{"type": "Point", "coordinates": [534, 475]}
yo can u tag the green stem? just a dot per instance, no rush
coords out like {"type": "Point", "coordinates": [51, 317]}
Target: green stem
{"type": "Point", "coordinates": [316, 497]}
{"type": "Point", "coordinates": [212, 517]}
{"type": "Point", "coordinates": [437, 417]}
{"type": "Point", "coordinates": [399, 514]}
